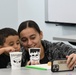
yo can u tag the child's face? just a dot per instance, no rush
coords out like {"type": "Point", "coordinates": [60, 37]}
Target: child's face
{"type": "Point", "coordinates": [13, 41]}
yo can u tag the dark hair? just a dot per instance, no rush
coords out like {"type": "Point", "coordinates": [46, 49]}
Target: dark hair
{"type": "Point", "coordinates": [28, 23]}
{"type": "Point", "coordinates": [5, 32]}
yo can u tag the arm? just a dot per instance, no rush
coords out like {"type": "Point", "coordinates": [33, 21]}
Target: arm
{"type": "Point", "coordinates": [70, 54]}
{"type": "Point", "coordinates": [6, 50]}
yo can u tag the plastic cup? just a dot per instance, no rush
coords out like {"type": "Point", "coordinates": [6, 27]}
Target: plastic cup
{"type": "Point", "coordinates": [15, 58]}
{"type": "Point", "coordinates": [34, 55]}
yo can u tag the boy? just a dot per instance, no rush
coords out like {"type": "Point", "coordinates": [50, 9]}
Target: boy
{"type": "Point", "coordinates": [9, 41]}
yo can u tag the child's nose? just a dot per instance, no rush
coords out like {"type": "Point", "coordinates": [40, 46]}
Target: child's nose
{"type": "Point", "coordinates": [15, 46]}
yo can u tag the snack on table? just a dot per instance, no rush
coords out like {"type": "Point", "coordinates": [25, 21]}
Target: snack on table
{"type": "Point", "coordinates": [49, 63]}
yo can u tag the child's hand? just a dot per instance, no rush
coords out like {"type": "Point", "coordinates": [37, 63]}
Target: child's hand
{"type": "Point", "coordinates": [9, 49]}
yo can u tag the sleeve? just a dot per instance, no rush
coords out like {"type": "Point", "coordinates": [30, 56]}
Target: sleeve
{"type": "Point", "coordinates": [66, 49]}
{"type": "Point", "coordinates": [25, 57]}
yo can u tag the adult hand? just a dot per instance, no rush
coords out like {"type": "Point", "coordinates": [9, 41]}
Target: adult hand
{"type": "Point", "coordinates": [71, 60]}
{"type": "Point", "coordinates": [32, 63]}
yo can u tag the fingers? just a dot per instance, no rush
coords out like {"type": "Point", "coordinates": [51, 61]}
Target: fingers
{"type": "Point", "coordinates": [71, 60]}
{"type": "Point", "coordinates": [9, 49]}
{"type": "Point", "coordinates": [29, 63]}
{"type": "Point", "coordinates": [32, 63]}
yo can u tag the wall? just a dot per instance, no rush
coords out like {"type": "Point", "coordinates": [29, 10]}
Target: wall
{"type": "Point", "coordinates": [13, 12]}
{"type": "Point", "coordinates": [9, 13]}
{"type": "Point", "coordinates": [35, 10]}
{"type": "Point", "coordinates": [61, 11]}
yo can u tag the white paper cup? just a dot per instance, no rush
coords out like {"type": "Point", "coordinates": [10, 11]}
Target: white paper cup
{"type": "Point", "coordinates": [34, 54]}
{"type": "Point", "coordinates": [15, 58]}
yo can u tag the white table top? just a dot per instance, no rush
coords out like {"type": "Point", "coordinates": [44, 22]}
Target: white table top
{"type": "Point", "coordinates": [26, 71]}
{"type": "Point", "coordinates": [70, 38]}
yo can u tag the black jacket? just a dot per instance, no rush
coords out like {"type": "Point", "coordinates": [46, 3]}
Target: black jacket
{"type": "Point", "coordinates": [56, 50]}
{"type": "Point", "coordinates": [4, 61]}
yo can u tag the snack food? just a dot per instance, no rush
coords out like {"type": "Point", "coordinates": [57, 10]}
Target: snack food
{"type": "Point", "coordinates": [49, 63]}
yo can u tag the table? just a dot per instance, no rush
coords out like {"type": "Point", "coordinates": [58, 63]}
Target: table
{"type": "Point", "coordinates": [70, 38]}
{"type": "Point", "coordinates": [27, 71]}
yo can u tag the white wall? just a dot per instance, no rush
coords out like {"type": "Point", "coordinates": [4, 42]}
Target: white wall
{"type": "Point", "coordinates": [9, 13]}
{"type": "Point", "coordinates": [13, 12]}
{"type": "Point", "coordinates": [35, 10]}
